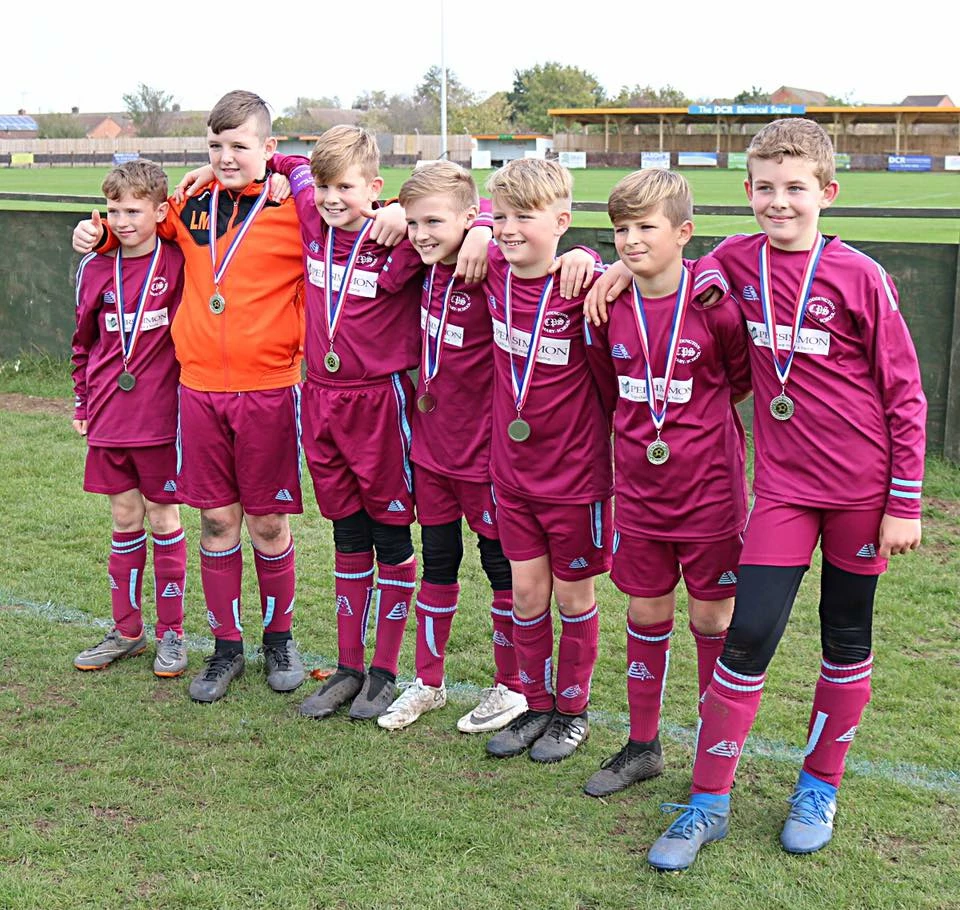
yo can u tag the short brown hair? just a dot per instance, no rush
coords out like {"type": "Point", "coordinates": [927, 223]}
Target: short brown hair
{"type": "Point", "coordinates": [236, 108]}
{"type": "Point", "coordinates": [441, 178]}
{"type": "Point", "coordinates": [531, 183]}
{"type": "Point", "coordinates": [145, 179]}
{"type": "Point", "coordinates": [637, 193]}
{"type": "Point", "coordinates": [799, 138]}
{"type": "Point", "coordinates": [341, 147]}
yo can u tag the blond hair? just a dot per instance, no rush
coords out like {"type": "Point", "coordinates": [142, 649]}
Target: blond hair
{"type": "Point", "coordinates": [144, 179]}
{"type": "Point", "coordinates": [529, 184]}
{"type": "Point", "coordinates": [637, 194]}
{"type": "Point", "coordinates": [236, 108]}
{"type": "Point", "coordinates": [799, 138]}
{"type": "Point", "coordinates": [341, 147]}
{"type": "Point", "coordinates": [441, 178]}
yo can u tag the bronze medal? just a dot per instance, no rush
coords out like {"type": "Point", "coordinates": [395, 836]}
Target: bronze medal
{"type": "Point", "coordinates": [126, 381]}
{"type": "Point", "coordinates": [518, 430]}
{"type": "Point", "coordinates": [426, 403]}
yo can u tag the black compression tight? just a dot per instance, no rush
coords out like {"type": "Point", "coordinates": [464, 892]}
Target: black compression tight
{"type": "Point", "coordinates": [765, 596]}
{"type": "Point", "coordinates": [359, 533]}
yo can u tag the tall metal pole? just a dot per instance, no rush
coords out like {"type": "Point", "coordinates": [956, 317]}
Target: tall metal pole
{"type": "Point", "coordinates": [443, 89]}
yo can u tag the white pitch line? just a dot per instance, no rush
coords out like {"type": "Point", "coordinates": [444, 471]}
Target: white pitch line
{"type": "Point", "coordinates": [910, 775]}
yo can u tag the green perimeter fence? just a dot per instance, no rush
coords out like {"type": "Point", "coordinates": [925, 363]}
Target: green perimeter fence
{"type": "Point", "coordinates": [38, 267]}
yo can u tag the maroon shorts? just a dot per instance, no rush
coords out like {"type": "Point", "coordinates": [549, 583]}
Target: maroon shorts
{"type": "Point", "coordinates": [442, 499]}
{"type": "Point", "coordinates": [779, 534]}
{"type": "Point", "coordinates": [643, 567]}
{"type": "Point", "coordinates": [576, 537]}
{"type": "Point", "coordinates": [240, 447]}
{"type": "Point", "coordinates": [150, 469]}
{"type": "Point", "coordinates": [357, 442]}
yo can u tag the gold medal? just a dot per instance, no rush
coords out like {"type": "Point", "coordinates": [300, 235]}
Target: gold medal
{"type": "Point", "coordinates": [658, 452]}
{"type": "Point", "coordinates": [332, 361]}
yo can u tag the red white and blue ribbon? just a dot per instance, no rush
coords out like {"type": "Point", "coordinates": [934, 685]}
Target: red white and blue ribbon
{"type": "Point", "coordinates": [659, 415]}
{"type": "Point", "coordinates": [220, 271]}
{"type": "Point", "coordinates": [522, 383]}
{"type": "Point", "coordinates": [800, 305]}
{"type": "Point", "coordinates": [333, 306]}
{"type": "Point", "coordinates": [128, 340]}
{"type": "Point", "coordinates": [430, 361]}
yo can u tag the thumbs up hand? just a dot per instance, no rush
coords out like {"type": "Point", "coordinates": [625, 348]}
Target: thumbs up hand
{"type": "Point", "coordinates": [88, 234]}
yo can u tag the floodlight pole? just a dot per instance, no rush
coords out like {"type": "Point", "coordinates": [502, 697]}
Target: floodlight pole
{"type": "Point", "coordinates": [443, 89]}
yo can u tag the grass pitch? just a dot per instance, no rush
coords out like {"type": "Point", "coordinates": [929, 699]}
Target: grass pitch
{"type": "Point", "coordinates": [117, 791]}
{"type": "Point", "coordinates": [710, 187]}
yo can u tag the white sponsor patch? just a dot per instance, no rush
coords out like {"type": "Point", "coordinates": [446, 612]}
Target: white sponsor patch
{"type": "Point", "coordinates": [362, 284]}
{"type": "Point", "coordinates": [811, 341]}
{"type": "Point", "coordinates": [155, 319]}
{"type": "Point", "coordinates": [554, 351]}
{"type": "Point", "coordinates": [681, 390]}
{"type": "Point", "coordinates": [452, 334]}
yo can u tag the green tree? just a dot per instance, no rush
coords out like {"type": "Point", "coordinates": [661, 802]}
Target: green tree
{"type": "Point", "coordinates": [427, 96]}
{"type": "Point", "coordinates": [148, 109]}
{"type": "Point", "coordinates": [754, 95]}
{"type": "Point", "coordinates": [489, 116]}
{"type": "Point", "coordinates": [648, 96]}
{"type": "Point", "coordinates": [550, 85]}
{"type": "Point", "coordinates": [59, 126]}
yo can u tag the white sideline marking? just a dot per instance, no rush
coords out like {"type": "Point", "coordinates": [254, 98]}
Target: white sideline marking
{"type": "Point", "coordinates": [910, 775]}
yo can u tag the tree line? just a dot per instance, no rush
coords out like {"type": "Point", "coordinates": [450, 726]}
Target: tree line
{"type": "Point", "coordinates": [521, 109]}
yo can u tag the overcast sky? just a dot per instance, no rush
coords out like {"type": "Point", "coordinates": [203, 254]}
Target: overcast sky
{"type": "Point", "coordinates": [57, 56]}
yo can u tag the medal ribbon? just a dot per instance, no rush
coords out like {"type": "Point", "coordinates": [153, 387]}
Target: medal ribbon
{"type": "Point", "coordinates": [128, 340]}
{"type": "Point", "coordinates": [659, 415]}
{"type": "Point", "coordinates": [800, 306]}
{"type": "Point", "coordinates": [522, 383]}
{"type": "Point", "coordinates": [334, 307]}
{"type": "Point", "coordinates": [430, 362]}
{"type": "Point", "coordinates": [212, 209]}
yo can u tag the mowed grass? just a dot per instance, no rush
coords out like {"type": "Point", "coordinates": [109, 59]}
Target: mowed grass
{"type": "Point", "coordinates": [711, 187]}
{"type": "Point", "coordinates": [117, 791]}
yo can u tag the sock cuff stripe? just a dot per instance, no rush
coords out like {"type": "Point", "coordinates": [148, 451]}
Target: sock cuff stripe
{"type": "Point", "coordinates": [736, 687]}
{"type": "Point", "coordinates": [721, 667]}
{"type": "Point", "coordinates": [844, 668]}
{"type": "Point", "coordinates": [427, 608]}
{"type": "Point", "coordinates": [259, 554]}
{"type": "Point", "coordinates": [526, 623]}
{"type": "Point", "coordinates": [504, 613]}
{"type": "Point", "coordinates": [350, 575]}
{"type": "Point", "coordinates": [648, 638]}
{"type": "Point", "coordinates": [219, 554]}
{"type": "Point", "coordinates": [168, 541]}
{"type": "Point", "coordinates": [846, 679]}
{"type": "Point", "coordinates": [582, 617]}
{"type": "Point", "coordinates": [396, 582]}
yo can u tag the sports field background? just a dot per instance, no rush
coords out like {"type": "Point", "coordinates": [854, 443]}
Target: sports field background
{"type": "Point", "coordinates": [117, 791]}
{"type": "Point", "coordinates": [710, 187]}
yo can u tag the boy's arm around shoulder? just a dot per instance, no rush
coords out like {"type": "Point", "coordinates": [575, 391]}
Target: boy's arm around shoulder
{"type": "Point", "coordinates": [711, 294]}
